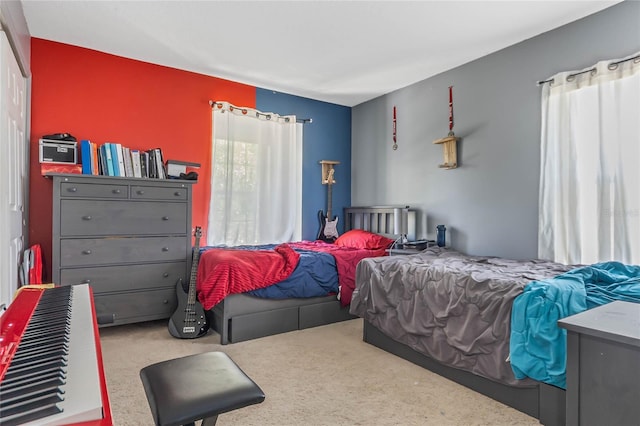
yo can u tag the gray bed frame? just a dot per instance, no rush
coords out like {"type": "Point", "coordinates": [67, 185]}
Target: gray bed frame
{"type": "Point", "coordinates": [545, 402]}
{"type": "Point", "coordinates": [241, 317]}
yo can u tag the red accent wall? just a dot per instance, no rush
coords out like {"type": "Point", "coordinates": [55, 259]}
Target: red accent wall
{"type": "Point", "coordinates": [107, 98]}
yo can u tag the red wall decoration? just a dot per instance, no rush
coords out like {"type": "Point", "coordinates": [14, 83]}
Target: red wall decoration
{"type": "Point", "coordinates": [107, 98]}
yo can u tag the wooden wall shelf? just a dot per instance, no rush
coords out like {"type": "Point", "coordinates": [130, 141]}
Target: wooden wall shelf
{"type": "Point", "coordinates": [450, 152]}
{"type": "Point", "coordinates": [327, 165]}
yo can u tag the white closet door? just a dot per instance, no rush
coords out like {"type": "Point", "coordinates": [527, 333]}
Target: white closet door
{"type": "Point", "coordinates": [13, 169]}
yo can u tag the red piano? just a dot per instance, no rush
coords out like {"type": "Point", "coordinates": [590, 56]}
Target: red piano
{"type": "Point", "coordinates": [51, 370]}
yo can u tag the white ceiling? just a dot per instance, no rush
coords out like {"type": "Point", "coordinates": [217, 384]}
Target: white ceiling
{"type": "Point", "coordinates": [344, 52]}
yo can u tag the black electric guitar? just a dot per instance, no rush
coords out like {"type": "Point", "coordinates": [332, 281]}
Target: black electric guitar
{"type": "Point", "coordinates": [189, 320]}
{"type": "Point", "coordinates": [328, 224]}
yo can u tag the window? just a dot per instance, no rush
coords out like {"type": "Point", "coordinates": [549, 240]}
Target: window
{"type": "Point", "coordinates": [589, 172]}
{"type": "Point", "coordinates": [256, 177]}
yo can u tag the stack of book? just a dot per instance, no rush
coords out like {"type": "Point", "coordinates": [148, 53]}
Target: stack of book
{"type": "Point", "coordinates": [113, 159]}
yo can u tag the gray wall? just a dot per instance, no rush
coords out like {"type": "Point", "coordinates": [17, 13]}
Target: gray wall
{"type": "Point", "coordinates": [489, 204]}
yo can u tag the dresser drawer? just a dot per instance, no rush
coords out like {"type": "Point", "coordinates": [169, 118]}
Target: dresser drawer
{"type": "Point", "coordinates": [136, 306]}
{"type": "Point", "coordinates": [85, 217]}
{"type": "Point", "coordinates": [127, 250]}
{"type": "Point", "coordinates": [142, 192]}
{"type": "Point", "coordinates": [107, 279]}
{"type": "Point", "coordinates": [90, 190]}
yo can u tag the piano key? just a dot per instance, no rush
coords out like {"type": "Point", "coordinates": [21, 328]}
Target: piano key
{"type": "Point", "coordinates": [42, 358]}
{"type": "Point", "coordinates": [29, 413]}
{"type": "Point", "coordinates": [27, 376]}
{"type": "Point", "coordinates": [52, 346]}
{"type": "Point", "coordinates": [34, 342]}
{"type": "Point", "coordinates": [51, 375]}
{"type": "Point", "coordinates": [56, 363]}
{"type": "Point", "coordinates": [30, 403]}
{"type": "Point", "coordinates": [28, 391]}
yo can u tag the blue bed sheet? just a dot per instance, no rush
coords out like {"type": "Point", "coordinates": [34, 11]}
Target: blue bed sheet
{"type": "Point", "coordinates": [315, 275]}
{"type": "Point", "coordinates": [538, 346]}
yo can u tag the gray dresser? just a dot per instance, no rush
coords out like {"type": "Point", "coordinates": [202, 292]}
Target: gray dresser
{"type": "Point", "coordinates": [603, 365]}
{"type": "Point", "coordinates": [129, 239]}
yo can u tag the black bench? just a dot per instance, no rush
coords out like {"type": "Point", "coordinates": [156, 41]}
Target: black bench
{"type": "Point", "coordinates": [183, 390]}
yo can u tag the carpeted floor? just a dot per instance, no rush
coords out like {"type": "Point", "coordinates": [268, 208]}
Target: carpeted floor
{"type": "Point", "coordinates": [321, 376]}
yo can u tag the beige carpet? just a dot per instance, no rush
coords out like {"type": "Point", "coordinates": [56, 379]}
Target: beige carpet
{"type": "Point", "coordinates": [321, 376]}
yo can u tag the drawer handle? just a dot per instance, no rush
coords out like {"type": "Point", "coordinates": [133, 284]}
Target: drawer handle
{"type": "Point", "coordinates": [140, 192]}
{"type": "Point", "coordinates": [73, 189]}
{"type": "Point", "coordinates": [87, 281]}
{"type": "Point", "coordinates": [165, 248]}
{"type": "Point", "coordinates": [177, 193]}
{"type": "Point", "coordinates": [87, 217]}
{"type": "Point", "coordinates": [165, 217]}
{"type": "Point", "coordinates": [116, 191]}
{"type": "Point", "coordinates": [165, 275]}
{"type": "Point", "coordinates": [86, 251]}
{"type": "Point", "coordinates": [165, 301]}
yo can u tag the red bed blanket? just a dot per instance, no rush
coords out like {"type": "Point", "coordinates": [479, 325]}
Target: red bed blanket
{"type": "Point", "coordinates": [347, 259]}
{"type": "Point", "coordinates": [227, 271]}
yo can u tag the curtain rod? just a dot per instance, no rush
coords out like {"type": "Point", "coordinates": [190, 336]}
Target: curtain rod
{"type": "Point", "coordinates": [244, 110]}
{"type": "Point", "coordinates": [612, 66]}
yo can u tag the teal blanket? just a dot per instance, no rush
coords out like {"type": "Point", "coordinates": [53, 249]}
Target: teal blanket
{"type": "Point", "coordinates": [538, 347]}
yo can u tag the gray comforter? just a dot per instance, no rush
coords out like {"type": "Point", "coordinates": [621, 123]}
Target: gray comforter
{"type": "Point", "coordinates": [452, 307]}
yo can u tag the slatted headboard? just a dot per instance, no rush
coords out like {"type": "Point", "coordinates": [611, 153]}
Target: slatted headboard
{"type": "Point", "coordinates": [380, 219]}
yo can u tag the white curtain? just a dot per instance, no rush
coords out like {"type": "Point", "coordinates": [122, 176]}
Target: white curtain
{"type": "Point", "coordinates": [256, 177]}
{"type": "Point", "coordinates": [590, 165]}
